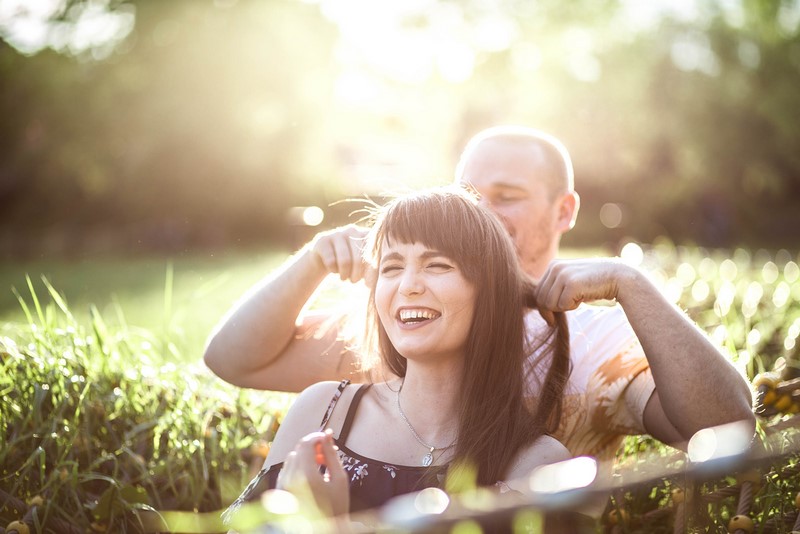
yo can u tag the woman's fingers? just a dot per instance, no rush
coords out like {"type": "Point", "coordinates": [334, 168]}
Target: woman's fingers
{"type": "Point", "coordinates": [340, 251]}
{"type": "Point", "coordinates": [336, 478]}
{"type": "Point", "coordinates": [314, 466]}
{"type": "Point", "coordinates": [330, 455]}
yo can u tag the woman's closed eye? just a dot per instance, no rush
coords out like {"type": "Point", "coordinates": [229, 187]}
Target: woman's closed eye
{"type": "Point", "coordinates": [439, 267]}
{"type": "Point", "coordinates": [390, 269]}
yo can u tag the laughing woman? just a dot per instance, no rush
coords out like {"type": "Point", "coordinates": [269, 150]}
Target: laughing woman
{"type": "Point", "coordinates": [446, 311]}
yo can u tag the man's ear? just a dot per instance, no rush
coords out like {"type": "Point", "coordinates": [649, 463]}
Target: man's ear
{"type": "Point", "coordinates": [568, 210]}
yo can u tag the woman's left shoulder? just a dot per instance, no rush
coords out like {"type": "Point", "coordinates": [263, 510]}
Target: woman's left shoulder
{"type": "Point", "coordinates": [545, 450]}
{"type": "Point", "coordinates": [551, 449]}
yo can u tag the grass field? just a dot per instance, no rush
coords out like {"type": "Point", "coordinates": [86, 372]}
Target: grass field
{"type": "Point", "coordinates": [179, 297]}
{"type": "Point", "coordinates": [109, 414]}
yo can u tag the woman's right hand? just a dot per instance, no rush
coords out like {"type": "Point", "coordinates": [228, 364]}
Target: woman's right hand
{"type": "Point", "coordinates": [314, 466]}
{"type": "Point", "coordinates": [340, 251]}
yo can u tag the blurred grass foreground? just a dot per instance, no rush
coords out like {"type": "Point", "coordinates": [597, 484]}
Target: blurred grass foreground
{"type": "Point", "coordinates": [105, 428]}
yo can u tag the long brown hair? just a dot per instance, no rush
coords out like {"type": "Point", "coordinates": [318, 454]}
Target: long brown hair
{"type": "Point", "coordinates": [494, 421]}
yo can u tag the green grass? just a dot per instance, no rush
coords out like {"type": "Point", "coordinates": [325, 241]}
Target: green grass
{"type": "Point", "coordinates": [107, 411]}
{"type": "Point", "coordinates": [178, 299]}
{"type": "Point", "coordinates": [106, 405]}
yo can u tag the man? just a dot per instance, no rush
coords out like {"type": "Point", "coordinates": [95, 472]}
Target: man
{"type": "Point", "coordinates": [638, 367]}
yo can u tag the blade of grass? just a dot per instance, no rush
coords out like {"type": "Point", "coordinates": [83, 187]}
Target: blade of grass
{"type": "Point", "coordinates": [35, 301]}
{"type": "Point", "coordinates": [58, 299]}
{"type": "Point", "coordinates": [23, 305]}
{"type": "Point", "coordinates": [99, 329]}
{"type": "Point", "coordinates": [167, 330]}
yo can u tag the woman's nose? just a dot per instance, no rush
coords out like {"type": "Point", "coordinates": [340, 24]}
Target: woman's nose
{"type": "Point", "coordinates": [411, 283]}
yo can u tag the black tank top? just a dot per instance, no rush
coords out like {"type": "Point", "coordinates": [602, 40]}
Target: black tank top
{"type": "Point", "coordinates": [372, 482]}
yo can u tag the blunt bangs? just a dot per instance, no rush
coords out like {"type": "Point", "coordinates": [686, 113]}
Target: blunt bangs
{"type": "Point", "coordinates": [442, 220]}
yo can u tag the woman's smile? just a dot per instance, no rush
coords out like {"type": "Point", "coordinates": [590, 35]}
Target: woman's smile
{"type": "Point", "coordinates": [415, 317]}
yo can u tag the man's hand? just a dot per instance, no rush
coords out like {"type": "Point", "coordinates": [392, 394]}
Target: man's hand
{"type": "Point", "coordinates": [314, 466]}
{"type": "Point", "coordinates": [696, 386]}
{"type": "Point", "coordinates": [568, 283]}
{"type": "Point", "coordinates": [340, 251]}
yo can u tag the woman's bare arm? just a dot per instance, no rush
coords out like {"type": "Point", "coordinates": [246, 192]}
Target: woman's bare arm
{"type": "Point", "coordinates": [263, 342]}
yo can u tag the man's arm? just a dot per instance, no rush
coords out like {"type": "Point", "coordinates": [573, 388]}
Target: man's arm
{"type": "Point", "coordinates": [696, 386]}
{"type": "Point", "coordinates": [263, 343]}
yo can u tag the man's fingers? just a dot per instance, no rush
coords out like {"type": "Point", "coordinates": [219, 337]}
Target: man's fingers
{"type": "Point", "coordinates": [548, 316]}
{"type": "Point", "coordinates": [568, 300]}
{"type": "Point", "coordinates": [547, 294]}
{"type": "Point", "coordinates": [557, 290]}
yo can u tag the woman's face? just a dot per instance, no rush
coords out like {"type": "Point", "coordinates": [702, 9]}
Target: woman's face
{"type": "Point", "coordinates": [423, 301]}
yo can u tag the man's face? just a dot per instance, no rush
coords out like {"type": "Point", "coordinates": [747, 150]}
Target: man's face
{"type": "Point", "coordinates": [510, 181]}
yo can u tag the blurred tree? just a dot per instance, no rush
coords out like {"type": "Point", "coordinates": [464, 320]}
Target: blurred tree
{"type": "Point", "coordinates": [204, 120]}
{"type": "Point", "coordinates": [196, 129]}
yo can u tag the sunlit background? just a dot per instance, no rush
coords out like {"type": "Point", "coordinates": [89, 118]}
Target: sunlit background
{"type": "Point", "coordinates": [196, 124]}
{"type": "Point", "coordinates": [159, 157]}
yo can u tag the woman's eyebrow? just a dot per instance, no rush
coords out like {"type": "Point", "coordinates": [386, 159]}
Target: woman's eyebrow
{"type": "Point", "coordinates": [433, 254]}
{"type": "Point", "coordinates": [425, 255]}
{"type": "Point", "coordinates": [391, 256]}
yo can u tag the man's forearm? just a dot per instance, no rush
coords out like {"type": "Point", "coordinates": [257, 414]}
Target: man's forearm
{"type": "Point", "coordinates": [697, 386]}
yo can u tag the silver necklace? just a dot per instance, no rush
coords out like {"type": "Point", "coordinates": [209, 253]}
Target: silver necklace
{"type": "Point", "coordinates": [428, 458]}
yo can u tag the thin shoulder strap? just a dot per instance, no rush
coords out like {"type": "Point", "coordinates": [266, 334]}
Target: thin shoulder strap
{"type": "Point", "coordinates": [343, 384]}
{"type": "Point", "coordinates": [228, 514]}
{"type": "Point", "coordinates": [351, 412]}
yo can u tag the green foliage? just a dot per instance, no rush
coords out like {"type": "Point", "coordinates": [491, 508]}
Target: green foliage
{"type": "Point", "coordinates": [209, 119]}
{"type": "Point", "coordinates": [192, 132]}
{"type": "Point", "coordinates": [749, 303]}
{"type": "Point", "coordinates": [129, 292]}
{"type": "Point", "coordinates": [107, 423]}
{"type": "Point", "coordinates": [100, 425]}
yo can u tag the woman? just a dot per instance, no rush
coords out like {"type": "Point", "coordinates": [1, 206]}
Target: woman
{"type": "Point", "coordinates": [446, 310]}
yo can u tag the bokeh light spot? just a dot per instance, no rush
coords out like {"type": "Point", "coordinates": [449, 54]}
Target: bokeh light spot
{"type": "Point", "coordinates": [632, 254]}
{"type": "Point", "coordinates": [561, 476]}
{"type": "Point", "coordinates": [791, 272]}
{"type": "Point", "coordinates": [781, 294]}
{"type": "Point", "coordinates": [753, 337]}
{"type": "Point", "coordinates": [707, 268]}
{"type": "Point", "coordinates": [431, 501]}
{"type": "Point", "coordinates": [728, 270]}
{"type": "Point", "coordinates": [700, 290]}
{"type": "Point", "coordinates": [685, 274]}
{"type": "Point", "coordinates": [313, 216]}
{"type": "Point", "coordinates": [611, 215]}
{"type": "Point", "coordinates": [719, 442]}
{"type": "Point", "coordinates": [725, 296]}
{"type": "Point", "coordinates": [280, 502]}
{"type": "Point", "coordinates": [751, 299]}
{"type": "Point", "coordinates": [769, 272]}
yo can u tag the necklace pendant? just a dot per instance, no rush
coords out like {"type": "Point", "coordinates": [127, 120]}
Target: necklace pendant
{"type": "Point", "coordinates": [427, 460]}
